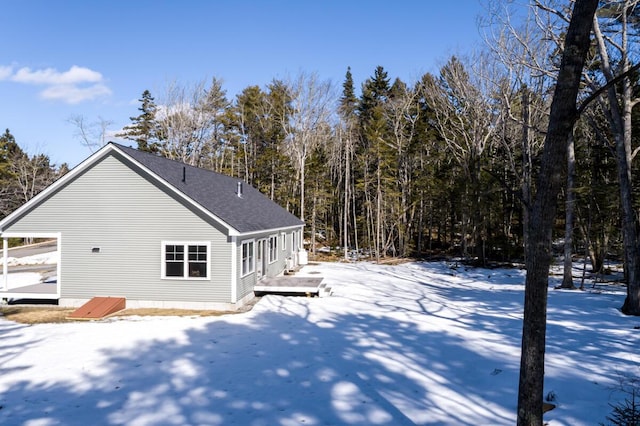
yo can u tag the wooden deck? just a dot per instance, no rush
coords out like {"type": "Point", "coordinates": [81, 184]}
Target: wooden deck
{"type": "Point", "coordinates": [293, 285]}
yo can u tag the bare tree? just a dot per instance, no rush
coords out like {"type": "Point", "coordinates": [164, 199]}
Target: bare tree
{"type": "Point", "coordinates": [311, 102]}
{"type": "Point", "coordinates": [32, 175]}
{"type": "Point", "coordinates": [529, 51]}
{"type": "Point", "coordinates": [191, 121]}
{"type": "Point", "coordinates": [614, 51]}
{"type": "Point", "coordinates": [92, 134]}
{"type": "Point", "coordinates": [24, 178]}
{"type": "Point", "coordinates": [543, 211]}
{"type": "Point", "coordinates": [402, 113]}
{"type": "Point", "coordinates": [466, 120]}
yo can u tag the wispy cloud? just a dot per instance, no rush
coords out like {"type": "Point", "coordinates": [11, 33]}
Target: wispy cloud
{"type": "Point", "coordinates": [78, 84]}
{"type": "Point", "coordinates": [5, 72]}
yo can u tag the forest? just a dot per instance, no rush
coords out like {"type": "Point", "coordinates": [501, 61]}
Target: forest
{"type": "Point", "coordinates": [442, 166]}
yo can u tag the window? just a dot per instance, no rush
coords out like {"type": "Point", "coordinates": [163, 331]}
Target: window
{"type": "Point", "coordinates": [248, 266]}
{"type": "Point", "coordinates": [197, 261]}
{"type": "Point", "coordinates": [273, 248]}
{"type": "Point", "coordinates": [186, 260]}
{"type": "Point", "coordinates": [174, 261]}
{"type": "Point", "coordinates": [283, 240]}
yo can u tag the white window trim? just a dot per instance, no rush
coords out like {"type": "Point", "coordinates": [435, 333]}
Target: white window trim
{"type": "Point", "coordinates": [253, 258]}
{"type": "Point", "coordinates": [283, 241]}
{"type": "Point", "coordinates": [163, 263]}
{"type": "Point", "coordinates": [275, 252]}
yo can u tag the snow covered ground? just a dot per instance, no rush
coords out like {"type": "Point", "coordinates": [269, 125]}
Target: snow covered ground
{"type": "Point", "coordinates": [21, 279]}
{"type": "Point", "coordinates": [418, 343]}
{"type": "Point", "coordinates": [48, 258]}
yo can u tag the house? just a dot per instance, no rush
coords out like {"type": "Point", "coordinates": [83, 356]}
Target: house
{"type": "Point", "coordinates": [156, 231]}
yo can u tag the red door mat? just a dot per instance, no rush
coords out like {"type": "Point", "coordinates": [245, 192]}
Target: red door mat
{"type": "Point", "coordinates": [99, 307]}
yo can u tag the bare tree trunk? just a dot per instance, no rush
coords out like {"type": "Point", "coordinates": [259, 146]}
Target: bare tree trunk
{"type": "Point", "coordinates": [313, 220]}
{"type": "Point", "coordinates": [570, 202]}
{"type": "Point", "coordinates": [347, 183]}
{"type": "Point", "coordinates": [526, 164]}
{"type": "Point", "coordinates": [543, 211]}
{"type": "Point", "coordinates": [378, 244]}
{"type": "Point", "coordinates": [620, 120]}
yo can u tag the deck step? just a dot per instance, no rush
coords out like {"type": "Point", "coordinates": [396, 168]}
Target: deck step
{"type": "Point", "coordinates": [98, 307]}
{"type": "Point", "coordinates": [288, 284]}
{"type": "Point", "coordinates": [324, 291]}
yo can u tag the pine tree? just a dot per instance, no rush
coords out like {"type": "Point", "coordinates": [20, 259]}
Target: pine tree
{"type": "Point", "coordinates": [21, 176]}
{"type": "Point", "coordinates": [249, 108]}
{"type": "Point", "coordinates": [343, 167]}
{"type": "Point", "coordinates": [348, 100]}
{"type": "Point", "coordinates": [144, 127]}
{"type": "Point", "coordinates": [9, 149]}
{"type": "Point", "coordinates": [10, 152]}
{"type": "Point", "coordinates": [374, 131]}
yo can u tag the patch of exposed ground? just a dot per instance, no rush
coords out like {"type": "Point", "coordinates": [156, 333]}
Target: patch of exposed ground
{"type": "Point", "coordinates": [35, 314]}
{"type": "Point", "coordinates": [42, 314]}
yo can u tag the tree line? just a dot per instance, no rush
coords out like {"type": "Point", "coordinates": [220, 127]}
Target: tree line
{"type": "Point", "coordinates": [441, 165]}
{"type": "Point", "coordinates": [23, 176]}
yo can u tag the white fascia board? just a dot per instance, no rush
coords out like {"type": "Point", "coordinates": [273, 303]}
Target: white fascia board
{"type": "Point", "coordinates": [189, 200]}
{"type": "Point", "coordinates": [270, 231]}
{"type": "Point", "coordinates": [57, 184]}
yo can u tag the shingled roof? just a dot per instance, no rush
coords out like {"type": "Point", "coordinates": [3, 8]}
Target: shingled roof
{"type": "Point", "coordinates": [217, 193]}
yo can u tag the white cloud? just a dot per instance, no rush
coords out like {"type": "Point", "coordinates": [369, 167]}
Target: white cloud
{"type": "Point", "coordinates": [77, 84]}
{"type": "Point", "coordinates": [5, 72]}
{"type": "Point", "coordinates": [75, 75]}
{"type": "Point", "coordinates": [74, 94]}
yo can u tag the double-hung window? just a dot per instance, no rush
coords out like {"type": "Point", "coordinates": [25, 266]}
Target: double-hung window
{"type": "Point", "coordinates": [187, 260]}
{"type": "Point", "coordinates": [248, 265]}
{"type": "Point", "coordinates": [273, 248]}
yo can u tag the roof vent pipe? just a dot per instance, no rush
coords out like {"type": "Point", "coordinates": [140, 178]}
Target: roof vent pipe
{"type": "Point", "coordinates": [184, 174]}
{"type": "Point", "coordinates": [239, 190]}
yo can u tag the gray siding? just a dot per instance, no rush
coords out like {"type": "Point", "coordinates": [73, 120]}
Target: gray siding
{"type": "Point", "coordinates": [112, 207]}
{"type": "Point", "coordinates": [245, 284]}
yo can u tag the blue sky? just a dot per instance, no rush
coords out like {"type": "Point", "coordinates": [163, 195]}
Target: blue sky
{"type": "Point", "coordinates": [60, 59]}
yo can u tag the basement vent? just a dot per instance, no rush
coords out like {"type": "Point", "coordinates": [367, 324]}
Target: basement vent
{"type": "Point", "coordinates": [95, 249]}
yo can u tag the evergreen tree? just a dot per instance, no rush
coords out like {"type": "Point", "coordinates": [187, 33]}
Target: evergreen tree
{"type": "Point", "coordinates": [249, 108]}
{"type": "Point", "coordinates": [374, 133]}
{"type": "Point", "coordinates": [9, 149]}
{"type": "Point", "coordinates": [144, 127]}
{"type": "Point", "coordinates": [22, 177]}
{"type": "Point", "coordinates": [9, 152]}
{"type": "Point", "coordinates": [214, 127]}
{"type": "Point", "coordinates": [348, 100]}
{"type": "Point", "coordinates": [276, 169]}
{"type": "Point", "coordinates": [342, 164]}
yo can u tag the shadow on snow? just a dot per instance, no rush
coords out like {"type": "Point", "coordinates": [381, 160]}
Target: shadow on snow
{"type": "Point", "coordinates": [417, 358]}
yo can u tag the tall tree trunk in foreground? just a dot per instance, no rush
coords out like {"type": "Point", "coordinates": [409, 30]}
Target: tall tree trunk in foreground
{"type": "Point", "coordinates": [543, 212]}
